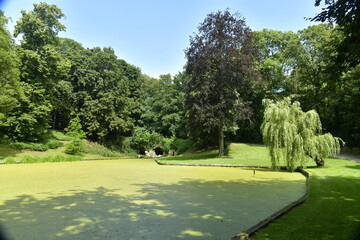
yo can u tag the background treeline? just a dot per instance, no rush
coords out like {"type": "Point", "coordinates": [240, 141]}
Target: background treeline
{"type": "Point", "coordinates": [46, 81]}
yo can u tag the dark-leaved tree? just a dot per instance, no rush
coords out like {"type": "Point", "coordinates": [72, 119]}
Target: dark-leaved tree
{"type": "Point", "coordinates": [220, 65]}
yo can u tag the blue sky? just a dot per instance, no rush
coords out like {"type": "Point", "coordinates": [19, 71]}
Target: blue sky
{"type": "Point", "coordinates": [152, 34]}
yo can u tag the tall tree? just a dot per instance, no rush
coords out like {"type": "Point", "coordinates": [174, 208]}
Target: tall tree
{"type": "Point", "coordinates": [276, 62]}
{"type": "Point", "coordinates": [313, 59]}
{"type": "Point", "coordinates": [163, 108]}
{"type": "Point", "coordinates": [294, 136]}
{"type": "Point", "coordinates": [10, 91]}
{"type": "Point", "coordinates": [346, 14]}
{"type": "Point", "coordinates": [40, 26]}
{"type": "Point", "coordinates": [220, 64]}
{"type": "Point", "coordinates": [40, 67]}
{"type": "Point", "coordinates": [102, 89]}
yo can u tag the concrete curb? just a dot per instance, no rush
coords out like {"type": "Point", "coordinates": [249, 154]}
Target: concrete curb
{"type": "Point", "coordinates": [245, 234]}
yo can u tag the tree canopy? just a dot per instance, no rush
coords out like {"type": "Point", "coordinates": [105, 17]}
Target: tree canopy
{"type": "Point", "coordinates": [346, 14]}
{"type": "Point", "coordinates": [47, 81]}
{"type": "Point", "coordinates": [294, 136]}
{"type": "Point", "coordinates": [220, 65]}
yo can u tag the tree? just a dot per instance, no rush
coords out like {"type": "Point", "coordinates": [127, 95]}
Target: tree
{"type": "Point", "coordinates": [39, 27]}
{"type": "Point", "coordinates": [276, 62]}
{"type": "Point", "coordinates": [162, 107]}
{"type": "Point", "coordinates": [346, 14]}
{"type": "Point", "coordinates": [312, 74]}
{"type": "Point", "coordinates": [10, 91]}
{"type": "Point", "coordinates": [41, 66]}
{"type": "Point", "coordinates": [295, 136]}
{"type": "Point", "coordinates": [102, 89]}
{"type": "Point", "coordinates": [75, 128]}
{"type": "Point", "coordinates": [220, 65]}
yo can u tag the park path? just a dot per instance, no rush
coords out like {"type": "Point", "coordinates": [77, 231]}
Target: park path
{"type": "Point", "coordinates": [348, 157]}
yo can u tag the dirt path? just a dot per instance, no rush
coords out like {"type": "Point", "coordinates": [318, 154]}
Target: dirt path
{"type": "Point", "coordinates": [349, 157]}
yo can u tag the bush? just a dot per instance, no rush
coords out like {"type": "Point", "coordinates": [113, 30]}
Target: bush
{"type": "Point", "coordinates": [37, 159]}
{"type": "Point", "coordinates": [95, 148]}
{"type": "Point", "coordinates": [125, 145]}
{"type": "Point", "coordinates": [74, 147]}
{"type": "Point", "coordinates": [60, 136]}
{"type": "Point", "coordinates": [168, 144]}
{"type": "Point", "coordinates": [75, 128]}
{"type": "Point", "coordinates": [181, 145]}
{"type": "Point", "coordinates": [178, 145]}
{"type": "Point", "coordinates": [53, 144]}
{"type": "Point", "coordinates": [140, 138]}
{"type": "Point", "coordinates": [49, 144]}
{"type": "Point", "coordinates": [155, 140]}
{"type": "Point", "coordinates": [10, 161]}
{"type": "Point", "coordinates": [29, 146]}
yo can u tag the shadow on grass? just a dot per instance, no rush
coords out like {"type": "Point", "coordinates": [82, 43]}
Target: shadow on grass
{"type": "Point", "coordinates": [354, 167]}
{"type": "Point", "coordinates": [193, 209]}
{"type": "Point", "coordinates": [6, 152]}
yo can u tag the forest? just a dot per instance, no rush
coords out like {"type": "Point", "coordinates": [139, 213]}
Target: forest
{"type": "Point", "coordinates": [48, 83]}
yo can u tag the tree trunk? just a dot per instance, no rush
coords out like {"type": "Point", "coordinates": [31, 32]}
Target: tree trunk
{"type": "Point", "coordinates": [221, 141]}
{"type": "Point", "coordinates": [319, 162]}
{"type": "Point", "coordinates": [54, 120]}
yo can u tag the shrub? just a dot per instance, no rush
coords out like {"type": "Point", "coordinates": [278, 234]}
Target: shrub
{"type": "Point", "coordinates": [140, 138]}
{"type": "Point", "coordinates": [155, 140]}
{"type": "Point", "coordinates": [168, 144]}
{"type": "Point", "coordinates": [49, 144]}
{"type": "Point", "coordinates": [75, 128]}
{"type": "Point", "coordinates": [181, 145]}
{"type": "Point", "coordinates": [125, 145]}
{"type": "Point", "coordinates": [29, 146]}
{"type": "Point", "coordinates": [178, 145]}
{"type": "Point", "coordinates": [95, 148]}
{"type": "Point", "coordinates": [37, 159]}
{"type": "Point", "coordinates": [76, 146]}
{"type": "Point", "coordinates": [53, 144]}
{"type": "Point", "coordinates": [10, 161]}
{"type": "Point", "coordinates": [60, 136]}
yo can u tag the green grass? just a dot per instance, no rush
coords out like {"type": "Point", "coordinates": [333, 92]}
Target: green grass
{"type": "Point", "coordinates": [241, 154]}
{"type": "Point", "coordinates": [332, 210]}
{"type": "Point", "coordinates": [100, 150]}
{"type": "Point", "coordinates": [10, 155]}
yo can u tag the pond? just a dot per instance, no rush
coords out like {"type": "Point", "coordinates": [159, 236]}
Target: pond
{"type": "Point", "coordinates": [138, 199]}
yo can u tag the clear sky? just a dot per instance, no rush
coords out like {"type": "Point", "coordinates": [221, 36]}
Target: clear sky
{"type": "Point", "coordinates": [153, 34]}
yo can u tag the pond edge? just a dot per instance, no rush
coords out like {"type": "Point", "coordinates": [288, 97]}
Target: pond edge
{"type": "Point", "coordinates": [250, 231]}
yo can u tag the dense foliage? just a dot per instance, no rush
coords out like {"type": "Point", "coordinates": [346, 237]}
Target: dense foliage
{"type": "Point", "coordinates": [47, 82]}
{"type": "Point", "coordinates": [220, 65]}
{"type": "Point", "coordinates": [294, 136]}
{"type": "Point", "coordinates": [346, 14]}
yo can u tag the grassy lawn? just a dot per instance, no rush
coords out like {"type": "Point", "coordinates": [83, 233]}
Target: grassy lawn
{"type": "Point", "coordinates": [138, 199]}
{"type": "Point", "coordinates": [243, 154]}
{"type": "Point", "coordinates": [10, 155]}
{"type": "Point", "coordinates": [239, 154]}
{"type": "Point", "coordinates": [332, 210]}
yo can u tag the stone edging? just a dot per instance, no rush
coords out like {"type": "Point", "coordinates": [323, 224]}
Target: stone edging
{"type": "Point", "coordinates": [263, 223]}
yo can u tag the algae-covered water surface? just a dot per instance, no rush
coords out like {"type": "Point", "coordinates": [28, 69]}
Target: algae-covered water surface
{"type": "Point", "coordinates": [138, 199]}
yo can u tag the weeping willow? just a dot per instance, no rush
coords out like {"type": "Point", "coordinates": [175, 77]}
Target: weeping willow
{"type": "Point", "coordinates": [294, 137]}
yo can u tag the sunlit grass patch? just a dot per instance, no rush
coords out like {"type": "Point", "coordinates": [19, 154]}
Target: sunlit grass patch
{"type": "Point", "coordinates": [332, 210]}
